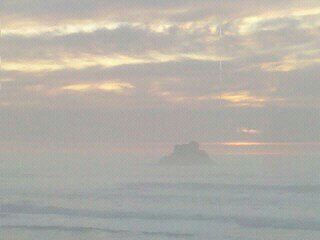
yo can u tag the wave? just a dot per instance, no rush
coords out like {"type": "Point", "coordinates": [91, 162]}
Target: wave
{"type": "Point", "coordinates": [240, 187]}
{"type": "Point", "coordinates": [243, 221]}
{"type": "Point", "coordinates": [276, 223]}
{"type": "Point", "coordinates": [94, 229]}
{"type": "Point", "coordinates": [38, 210]}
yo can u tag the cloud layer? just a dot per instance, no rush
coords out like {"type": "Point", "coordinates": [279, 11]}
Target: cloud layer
{"type": "Point", "coordinates": [143, 55]}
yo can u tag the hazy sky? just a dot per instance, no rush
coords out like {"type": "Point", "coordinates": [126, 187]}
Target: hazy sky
{"type": "Point", "coordinates": [136, 76]}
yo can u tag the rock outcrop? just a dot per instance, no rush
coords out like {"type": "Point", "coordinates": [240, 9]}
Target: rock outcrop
{"type": "Point", "coordinates": [187, 154]}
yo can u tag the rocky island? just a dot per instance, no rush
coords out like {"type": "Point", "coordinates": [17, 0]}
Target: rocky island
{"type": "Point", "coordinates": [187, 154]}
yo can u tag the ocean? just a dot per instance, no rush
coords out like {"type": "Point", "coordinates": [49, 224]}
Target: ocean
{"type": "Point", "coordinates": [244, 200]}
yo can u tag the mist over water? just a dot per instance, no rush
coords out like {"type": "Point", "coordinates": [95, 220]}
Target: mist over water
{"type": "Point", "coordinates": [235, 199]}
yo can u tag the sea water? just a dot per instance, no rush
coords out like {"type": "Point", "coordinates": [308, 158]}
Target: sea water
{"type": "Point", "coordinates": [244, 200]}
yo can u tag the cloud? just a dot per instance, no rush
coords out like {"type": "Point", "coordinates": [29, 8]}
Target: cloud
{"type": "Point", "coordinates": [186, 81]}
{"type": "Point", "coordinates": [249, 131]}
{"type": "Point", "coordinates": [242, 98]}
{"type": "Point", "coordinates": [116, 87]}
{"type": "Point", "coordinates": [164, 56]}
{"type": "Point", "coordinates": [190, 10]}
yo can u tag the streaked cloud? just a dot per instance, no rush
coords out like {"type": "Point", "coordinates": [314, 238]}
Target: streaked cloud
{"type": "Point", "coordinates": [243, 98]}
{"type": "Point", "coordinates": [117, 87]}
{"type": "Point", "coordinates": [249, 131]}
{"type": "Point", "coordinates": [165, 55]}
{"type": "Point", "coordinates": [82, 62]}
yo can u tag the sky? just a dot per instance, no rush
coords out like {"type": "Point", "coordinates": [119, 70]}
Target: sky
{"type": "Point", "coordinates": [121, 78]}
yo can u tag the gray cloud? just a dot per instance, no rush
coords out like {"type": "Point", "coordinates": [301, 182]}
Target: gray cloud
{"type": "Point", "coordinates": [190, 10]}
{"type": "Point", "coordinates": [125, 40]}
{"type": "Point", "coordinates": [274, 37]}
{"type": "Point", "coordinates": [270, 71]}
